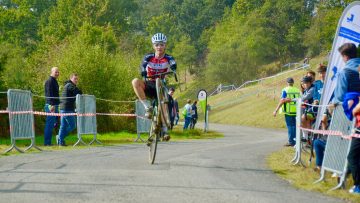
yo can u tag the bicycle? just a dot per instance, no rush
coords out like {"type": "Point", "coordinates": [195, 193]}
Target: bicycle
{"type": "Point", "coordinates": [160, 115]}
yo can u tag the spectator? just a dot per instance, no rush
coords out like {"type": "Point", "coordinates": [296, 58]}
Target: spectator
{"type": "Point", "coordinates": [68, 123]}
{"type": "Point", "coordinates": [319, 147]}
{"type": "Point", "coordinates": [306, 60]}
{"type": "Point", "coordinates": [52, 104]}
{"type": "Point", "coordinates": [176, 107]}
{"type": "Point", "coordinates": [320, 143]}
{"type": "Point", "coordinates": [289, 109]}
{"type": "Point", "coordinates": [354, 153]}
{"type": "Point", "coordinates": [302, 89]}
{"type": "Point", "coordinates": [348, 81]}
{"type": "Point", "coordinates": [311, 74]}
{"type": "Point", "coordinates": [194, 116]}
{"type": "Point", "coordinates": [319, 84]}
{"type": "Point", "coordinates": [171, 107]}
{"type": "Point", "coordinates": [311, 96]}
{"type": "Point", "coordinates": [187, 114]}
{"type": "Point", "coordinates": [348, 77]}
{"type": "Point", "coordinates": [308, 98]}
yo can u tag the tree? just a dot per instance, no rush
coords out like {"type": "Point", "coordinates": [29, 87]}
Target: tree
{"type": "Point", "coordinates": [15, 72]}
{"type": "Point", "coordinates": [185, 55]}
{"type": "Point", "coordinates": [254, 33]}
{"type": "Point", "coordinates": [319, 36]}
{"type": "Point", "coordinates": [18, 25]}
{"type": "Point", "coordinates": [164, 24]}
{"type": "Point", "coordinates": [69, 15]}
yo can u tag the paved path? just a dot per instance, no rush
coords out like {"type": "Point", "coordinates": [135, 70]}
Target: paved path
{"type": "Point", "coordinates": [229, 169]}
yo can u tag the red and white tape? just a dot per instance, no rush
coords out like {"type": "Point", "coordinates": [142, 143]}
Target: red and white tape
{"type": "Point", "coordinates": [331, 132]}
{"type": "Point", "coordinates": [41, 113]}
{"type": "Point", "coordinates": [116, 114]}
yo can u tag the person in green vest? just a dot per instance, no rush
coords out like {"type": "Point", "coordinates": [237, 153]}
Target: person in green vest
{"type": "Point", "coordinates": [288, 107]}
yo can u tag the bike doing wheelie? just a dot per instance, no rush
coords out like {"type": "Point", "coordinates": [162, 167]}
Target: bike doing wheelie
{"type": "Point", "coordinates": [154, 69]}
{"type": "Point", "coordinates": [160, 117]}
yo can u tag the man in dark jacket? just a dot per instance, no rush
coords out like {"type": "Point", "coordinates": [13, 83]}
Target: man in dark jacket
{"type": "Point", "coordinates": [68, 123]}
{"type": "Point", "coordinates": [172, 112]}
{"type": "Point", "coordinates": [194, 115]}
{"type": "Point", "coordinates": [176, 107]}
{"type": "Point", "coordinates": [51, 104]}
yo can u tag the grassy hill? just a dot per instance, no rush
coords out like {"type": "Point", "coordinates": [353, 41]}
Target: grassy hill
{"type": "Point", "coordinates": [252, 105]}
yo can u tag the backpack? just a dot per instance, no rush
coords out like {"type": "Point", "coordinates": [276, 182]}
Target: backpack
{"type": "Point", "coordinates": [184, 112]}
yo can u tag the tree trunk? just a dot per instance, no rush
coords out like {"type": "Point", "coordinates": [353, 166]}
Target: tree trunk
{"type": "Point", "coordinates": [185, 77]}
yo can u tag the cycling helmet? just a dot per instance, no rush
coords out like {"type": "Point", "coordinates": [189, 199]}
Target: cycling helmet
{"type": "Point", "coordinates": [158, 37]}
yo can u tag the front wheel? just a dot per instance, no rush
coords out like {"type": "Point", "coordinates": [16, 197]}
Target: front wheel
{"type": "Point", "coordinates": [153, 140]}
{"type": "Point", "coordinates": [154, 134]}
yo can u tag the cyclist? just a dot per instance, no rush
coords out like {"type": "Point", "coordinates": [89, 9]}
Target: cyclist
{"type": "Point", "coordinates": [153, 64]}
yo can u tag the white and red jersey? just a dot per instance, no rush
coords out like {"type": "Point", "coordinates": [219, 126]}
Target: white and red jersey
{"type": "Point", "coordinates": [153, 65]}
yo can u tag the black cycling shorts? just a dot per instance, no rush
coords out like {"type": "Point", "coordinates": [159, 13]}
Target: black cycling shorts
{"type": "Point", "coordinates": [150, 89]}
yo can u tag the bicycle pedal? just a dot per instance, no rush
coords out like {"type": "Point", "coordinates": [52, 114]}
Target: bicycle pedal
{"type": "Point", "coordinates": [157, 129]}
{"type": "Point", "coordinates": [149, 141]}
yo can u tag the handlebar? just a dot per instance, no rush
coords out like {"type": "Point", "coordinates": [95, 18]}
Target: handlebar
{"type": "Point", "coordinates": [162, 74]}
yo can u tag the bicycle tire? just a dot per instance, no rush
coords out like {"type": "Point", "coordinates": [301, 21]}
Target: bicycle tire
{"type": "Point", "coordinates": [153, 144]}
{"type": "Point", "coordinates": [162, 99]}
{"type": "Point", "coordinates": [154, 134]}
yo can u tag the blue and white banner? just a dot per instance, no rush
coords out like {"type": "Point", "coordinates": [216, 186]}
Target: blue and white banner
{"type": "Point", "coordinates": [348, 30]}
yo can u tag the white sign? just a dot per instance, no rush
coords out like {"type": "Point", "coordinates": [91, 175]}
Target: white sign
{"type": "Point", "coordinates": [202, 95]}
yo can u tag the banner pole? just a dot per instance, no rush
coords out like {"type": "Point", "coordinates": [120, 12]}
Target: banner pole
{"type": "Point", "coordinates": [202, 97]}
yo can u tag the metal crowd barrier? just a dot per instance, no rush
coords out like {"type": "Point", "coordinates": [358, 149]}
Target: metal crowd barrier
{"type": "Point", "coordinates": [298, 145]}
{"type": "Point", "coordinates": [21, 123]}
{"type": "Point", "coordinates": [86, 104]}
{"type": "Point", "coordinates": [337, 148]}
{"type": "Point", "coordinates": [21, 118]}
{"type": "Point", "coordinates": [142, 125]}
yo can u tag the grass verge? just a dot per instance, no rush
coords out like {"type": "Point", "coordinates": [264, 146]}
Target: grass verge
{"type": "Point", "coordinates": [254, 104]}
{"type": "Point", "coordinates": [108, 139]}
{"type": "Point", "coordinates": [303, 178]}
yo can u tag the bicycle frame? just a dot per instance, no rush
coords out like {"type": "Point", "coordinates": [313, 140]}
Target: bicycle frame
{"type": "Point", "coordinates": [160, 117]}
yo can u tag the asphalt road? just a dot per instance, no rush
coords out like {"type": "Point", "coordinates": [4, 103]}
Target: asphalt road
{"type": "Point", "coordinates": [229, 169]}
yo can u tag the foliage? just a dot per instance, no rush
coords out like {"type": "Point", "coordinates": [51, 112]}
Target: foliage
{"type": "Point", "coordinates": [185, 53]}
{"type": "Point", "coordinates": [104, 40]}
{"type": "Point", "coordinates": [15, 73]}
{"type": "Point", "coordinates": [319, 36]}
{"type": "Point", "coordinates": [255, 33]}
